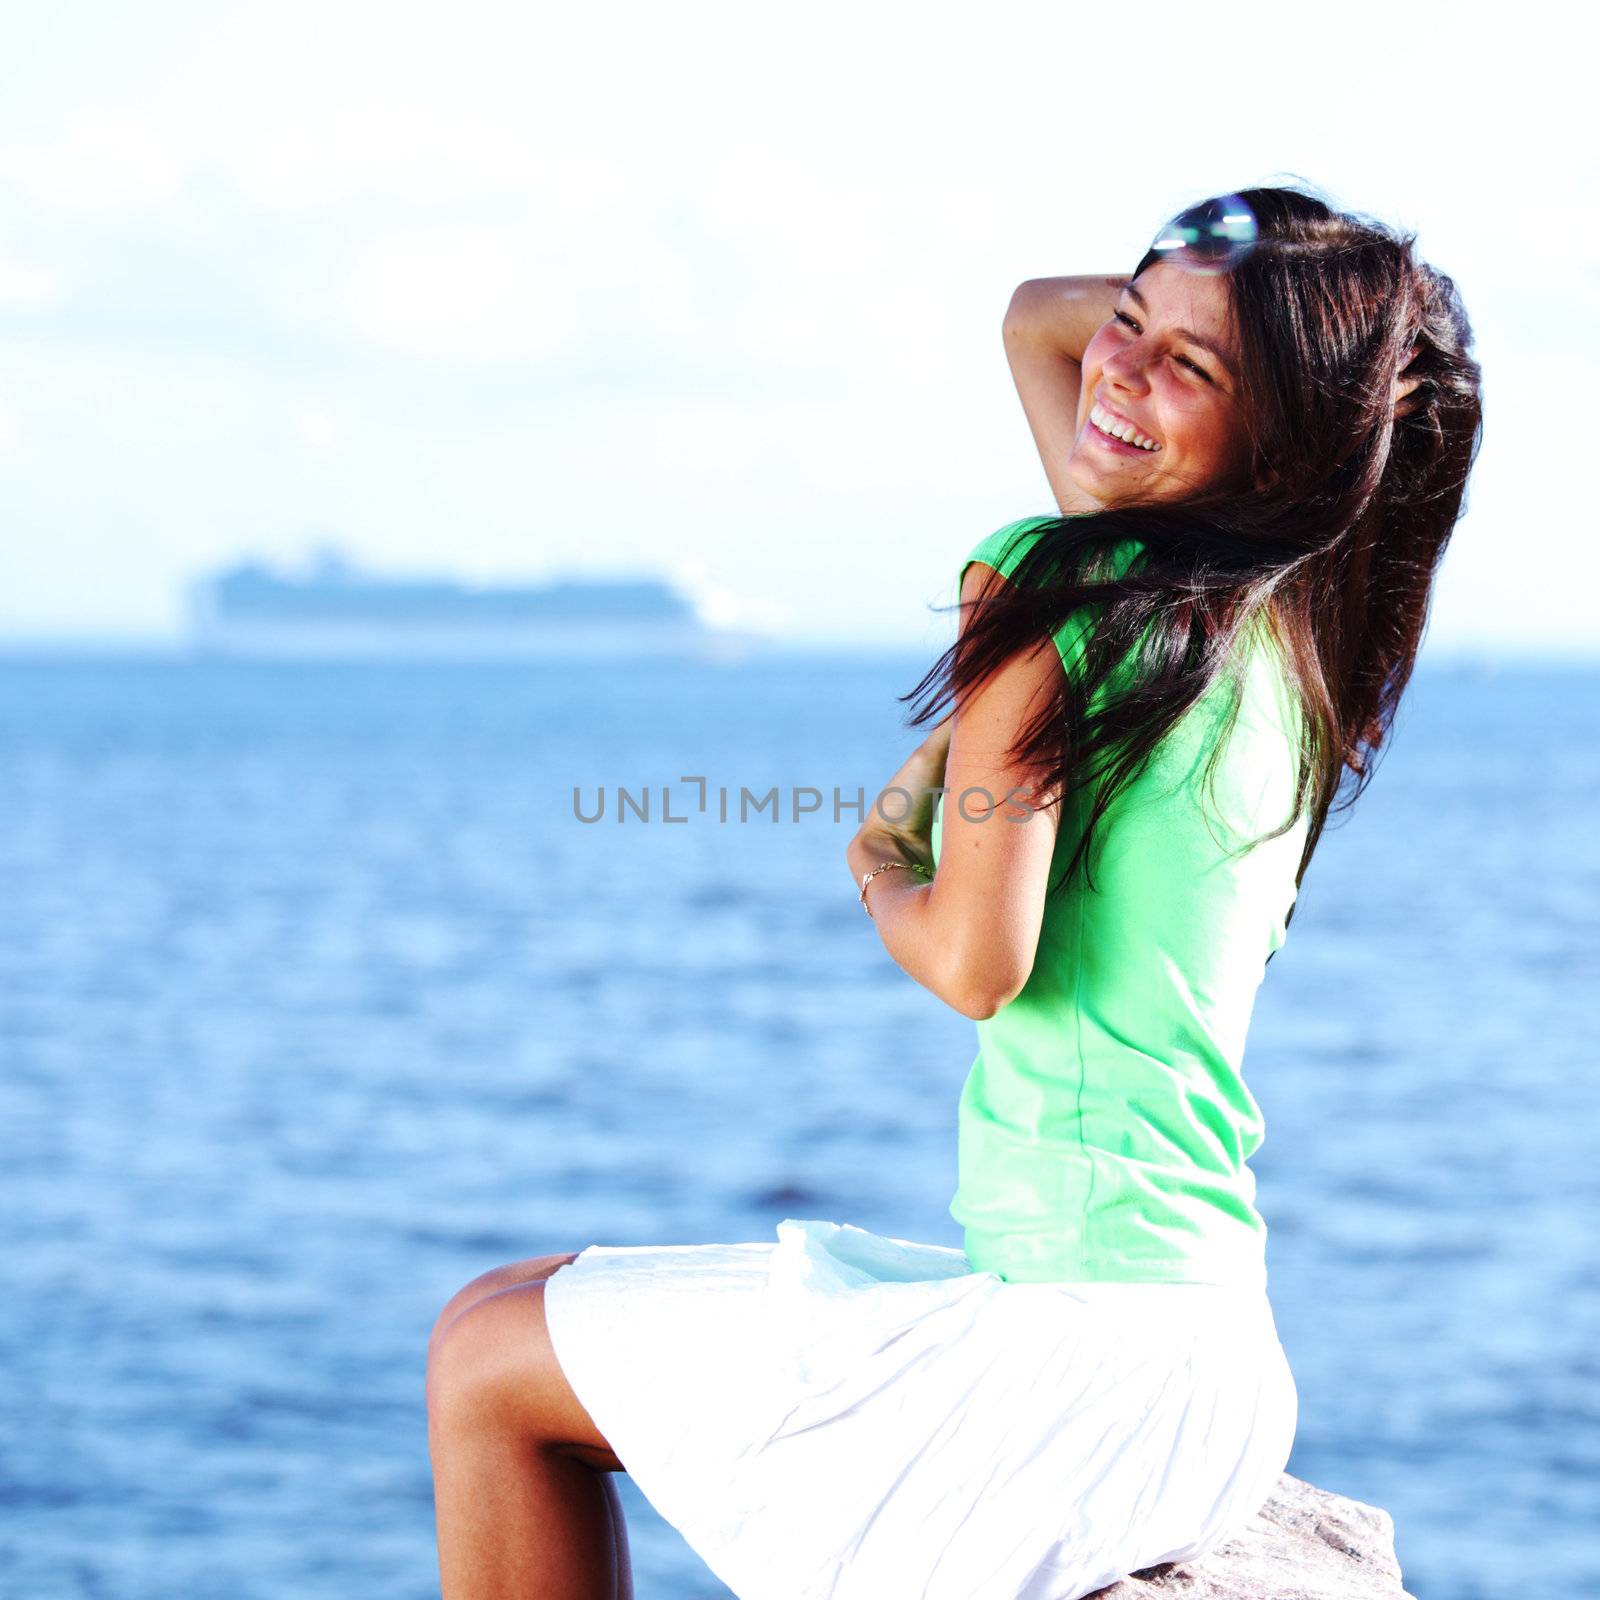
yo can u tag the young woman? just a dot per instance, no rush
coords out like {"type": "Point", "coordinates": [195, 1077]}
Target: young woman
{"type": "Point", "coordinates": [1258, 445]}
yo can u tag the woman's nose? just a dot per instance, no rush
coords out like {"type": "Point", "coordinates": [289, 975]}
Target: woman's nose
{"type": "Point", "coordinates": [1126, 370]}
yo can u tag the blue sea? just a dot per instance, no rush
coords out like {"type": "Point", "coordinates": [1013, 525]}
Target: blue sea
{"type": "Point", "coordinates": [317, 1000]}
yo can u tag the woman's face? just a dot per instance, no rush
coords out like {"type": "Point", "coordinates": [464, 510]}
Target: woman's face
{"type": "Point", "coordinates": [1165, 363]}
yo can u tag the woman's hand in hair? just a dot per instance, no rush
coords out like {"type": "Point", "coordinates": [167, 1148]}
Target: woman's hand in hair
{"type": "Point", "coordinates": [1405, 383]}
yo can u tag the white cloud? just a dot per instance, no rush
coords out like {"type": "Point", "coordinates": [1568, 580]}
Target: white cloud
{"type": "Point", "coordinates": [105, 160]}
{"type": "Point", "coordinates": [316, 424]}
{"type": "Point", "coordinates": [460, 294]}
{"type": "Point", "coordinates": [366, 150]}
{"type": "Point", "coordinates": [722, 607]}
{"type": "Point", "coordinates": [419, 156]}
{"type": "Point", "coordinates": [11, 447]}
{"type": "Point", "coordinates": [25, 287]}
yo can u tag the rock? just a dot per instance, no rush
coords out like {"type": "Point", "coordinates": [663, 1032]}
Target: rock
{"type": "Point", "coordinates": [1303, 1544]}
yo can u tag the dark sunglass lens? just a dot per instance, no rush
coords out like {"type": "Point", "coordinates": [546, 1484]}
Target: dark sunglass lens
{"type": "Point", "coordinates": [1210, 236]}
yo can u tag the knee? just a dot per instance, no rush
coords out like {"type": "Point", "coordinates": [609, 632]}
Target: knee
{"type": "Point", "coordinates": [491, 1282]}
{"type": "Point", "coordinates": [460, 1365]}
{"type": "Point", "coordinates": [489, 1367]}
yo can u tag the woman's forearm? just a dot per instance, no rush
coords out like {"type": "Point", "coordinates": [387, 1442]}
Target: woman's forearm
{"type": "Point", "coordinates": [901, 902]}
{"type": "Point", "coordinates": [908, 923]}
{"type": "Point", "coordinates": [1061, 315]}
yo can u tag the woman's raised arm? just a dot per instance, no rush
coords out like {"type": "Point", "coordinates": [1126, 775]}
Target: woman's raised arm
{"type": "Point", "coordinates": [1047, 326]}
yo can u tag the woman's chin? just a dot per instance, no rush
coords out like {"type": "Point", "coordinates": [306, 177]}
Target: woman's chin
{"type": "Point", "coordinates": [1114, 478]}
{"type": "Point", "coordinates": [1100, 481]}
{"type": "Point", "coordinates": [1111, 491]}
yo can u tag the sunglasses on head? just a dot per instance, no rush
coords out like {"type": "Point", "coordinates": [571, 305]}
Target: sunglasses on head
{"type": "Point", "coordinates": [1208, 237]}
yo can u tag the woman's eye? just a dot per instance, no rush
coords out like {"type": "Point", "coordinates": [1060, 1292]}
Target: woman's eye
{"type": "Point", "coordinates": [1194, 367]}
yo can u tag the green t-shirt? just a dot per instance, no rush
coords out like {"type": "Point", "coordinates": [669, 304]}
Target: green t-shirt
{"type": "Point", "coordinates": [1105, 1127]}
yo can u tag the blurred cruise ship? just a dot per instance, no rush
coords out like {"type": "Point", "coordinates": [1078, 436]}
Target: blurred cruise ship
{"type": "Point", "coordinates": [334, 609]}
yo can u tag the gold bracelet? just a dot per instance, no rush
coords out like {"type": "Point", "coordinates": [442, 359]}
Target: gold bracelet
{"type": "Point", "coordinates": [888, 866]}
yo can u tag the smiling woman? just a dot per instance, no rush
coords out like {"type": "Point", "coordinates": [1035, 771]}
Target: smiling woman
{"type": "Point", "coordinates": [1160, 382]}
{"type": "Point", "coordinates": [1175, 671]}
{"type": "Point", "coordinates": [1286, 437]}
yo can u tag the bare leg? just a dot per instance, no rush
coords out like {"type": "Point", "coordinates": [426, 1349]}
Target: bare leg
{"type": "Point", "coordinates": [522, 1498]}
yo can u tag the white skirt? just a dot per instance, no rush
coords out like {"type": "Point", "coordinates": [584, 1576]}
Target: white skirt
{"type": "Point", "coordinates": [843, 1416]}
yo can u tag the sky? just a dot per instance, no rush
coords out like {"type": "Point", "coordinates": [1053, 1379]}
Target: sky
{"type": "Point", "coordinates": [710, 291]}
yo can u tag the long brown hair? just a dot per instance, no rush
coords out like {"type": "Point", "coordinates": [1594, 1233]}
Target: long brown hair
{"type": "Point", "coordinates": [1335, 551]}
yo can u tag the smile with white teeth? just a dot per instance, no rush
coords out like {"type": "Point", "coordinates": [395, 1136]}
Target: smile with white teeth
{"type": "Point", "coordinates": [1123, 431]}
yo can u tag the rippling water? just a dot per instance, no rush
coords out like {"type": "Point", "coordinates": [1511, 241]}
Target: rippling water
{"type": "Point", "coordinates": [316, 1001]}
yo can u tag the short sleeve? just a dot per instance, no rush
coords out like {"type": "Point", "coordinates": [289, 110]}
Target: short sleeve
{"type": "Point", "coordinates": [1006, 546]}
{"type": "Point", "coordinates": [1004, 549]}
